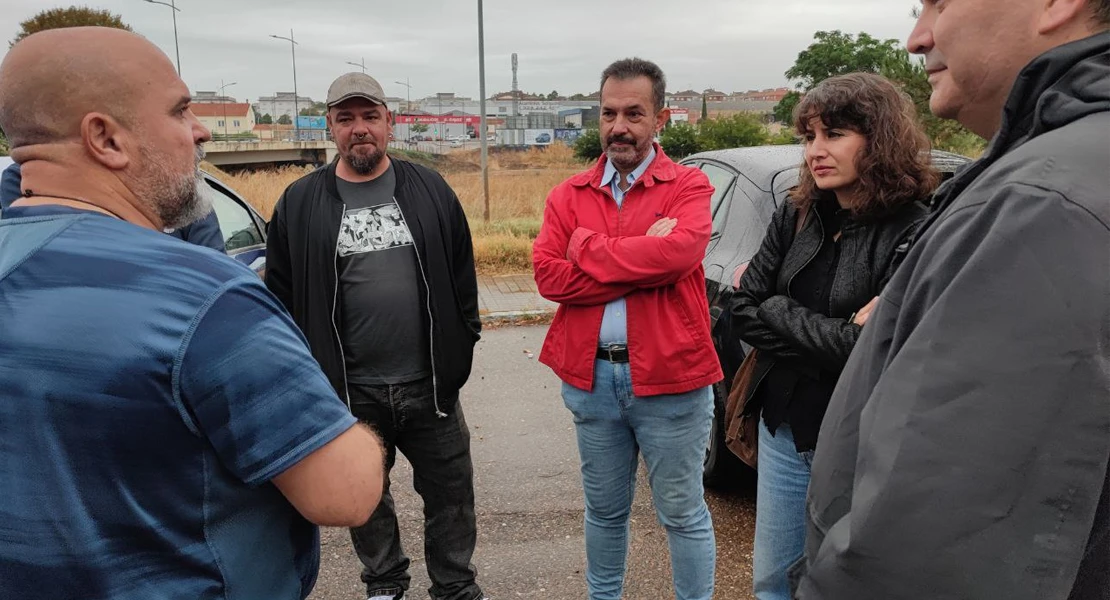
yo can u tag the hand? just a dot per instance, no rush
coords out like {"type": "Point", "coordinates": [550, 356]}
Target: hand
{"type": "Point", "coordinates": [860, 318]}
{"type": "Point", "coordinates": [662, 227]}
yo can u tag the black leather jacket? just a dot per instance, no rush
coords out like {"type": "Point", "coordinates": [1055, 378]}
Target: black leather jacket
{"type": "Point", "coordinates": [766, 316]}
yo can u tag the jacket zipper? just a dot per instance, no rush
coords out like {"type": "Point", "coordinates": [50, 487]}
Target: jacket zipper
{"type": "Point", "coordinates": [428, 306]}
{"type": "Point", "coordinates": [820, 225]}
{"type": "Point", "coordinates": [334, 306]}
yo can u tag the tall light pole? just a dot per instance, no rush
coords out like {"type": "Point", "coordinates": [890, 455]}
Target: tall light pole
{"type": "Point", "coordinates": [482, 109]}
{"type": "Point", "coordinates": [223, 101]}
{"type": "Point", "coordinates": [361, 65]}
{"type": "Point", "coordinates": [296, 109]}
{"type": "Point", "coordinates": [174, 13]}
{"type": "Point", "coordinates": [408, 93]}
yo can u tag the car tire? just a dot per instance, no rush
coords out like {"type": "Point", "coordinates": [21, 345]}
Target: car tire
{"type": "Point", "coordinates": [722, 469]}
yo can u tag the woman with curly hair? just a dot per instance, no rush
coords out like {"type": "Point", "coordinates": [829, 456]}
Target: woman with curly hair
{"type": "Point", "coordinates": [807, 293]}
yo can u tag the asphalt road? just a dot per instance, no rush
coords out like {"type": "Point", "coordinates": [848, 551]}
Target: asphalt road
{"type": "Point", "coordinates": [529, 497]}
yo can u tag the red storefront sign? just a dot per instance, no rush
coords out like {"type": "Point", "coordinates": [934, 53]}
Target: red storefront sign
{"type": "Point", "coordinates": [433, 119]}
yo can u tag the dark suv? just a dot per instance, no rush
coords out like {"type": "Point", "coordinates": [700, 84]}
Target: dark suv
{"type": "Point", "coordinates": [750, 184]}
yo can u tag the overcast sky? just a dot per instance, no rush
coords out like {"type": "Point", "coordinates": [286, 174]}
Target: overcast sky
{"type": "Point", "coordinates": [730, 45]}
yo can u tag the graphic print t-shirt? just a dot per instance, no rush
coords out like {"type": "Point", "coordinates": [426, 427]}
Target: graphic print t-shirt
{"type": "Point", "coordinates": [384, 316]}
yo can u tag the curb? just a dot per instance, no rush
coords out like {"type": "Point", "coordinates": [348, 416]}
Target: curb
{"type": "Point", "coordinates": [510, 317]}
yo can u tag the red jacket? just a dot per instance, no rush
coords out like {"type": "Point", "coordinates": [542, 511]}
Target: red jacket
{"type": "Point", "coordinates": [589, 252]}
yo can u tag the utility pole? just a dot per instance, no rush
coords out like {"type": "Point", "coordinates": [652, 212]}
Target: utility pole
{"type": "Point", "coordinates": [296, 108]}
{"type": "Point", "coordinates": [175, 10]}
{"type": "Point", "coordinates": [408, 93]}
{"type": "Point", "coordinates": [223, 101]}
{"type": "Point", "coordinates": [361, 65]}
{"type": "Point", "coordinates": [482, 109]}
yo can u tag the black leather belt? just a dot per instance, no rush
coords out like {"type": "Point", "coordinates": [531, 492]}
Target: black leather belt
{"type": "Point", "coordinates": [615, 353]}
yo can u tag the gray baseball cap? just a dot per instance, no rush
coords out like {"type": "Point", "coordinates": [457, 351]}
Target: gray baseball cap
{"type": "Point", "coordinates": [355, 85]}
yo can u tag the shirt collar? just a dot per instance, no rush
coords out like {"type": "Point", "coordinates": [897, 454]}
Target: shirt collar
{"type": "Point", "coordinates": [610, 172]}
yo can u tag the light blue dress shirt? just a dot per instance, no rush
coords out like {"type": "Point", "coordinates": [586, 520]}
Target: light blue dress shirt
{"type": "Point", "coordinates": [614, 325]}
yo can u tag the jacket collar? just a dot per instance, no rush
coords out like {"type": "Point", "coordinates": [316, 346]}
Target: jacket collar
{"type": "Point", "coordinates": [660, 169]}
{"type": "Point", "coordinates": [1058, 87]}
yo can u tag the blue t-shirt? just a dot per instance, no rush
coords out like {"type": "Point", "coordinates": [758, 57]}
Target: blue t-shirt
{"type": "Point", "coordinates": [149, 392]}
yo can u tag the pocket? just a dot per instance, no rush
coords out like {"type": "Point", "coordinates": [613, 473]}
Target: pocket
{"type": "Point", "coordinates": [572, 398]}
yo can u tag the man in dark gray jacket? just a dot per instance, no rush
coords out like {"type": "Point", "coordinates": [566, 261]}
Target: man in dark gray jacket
{"type": "Point", "coordinates": [964, 454]}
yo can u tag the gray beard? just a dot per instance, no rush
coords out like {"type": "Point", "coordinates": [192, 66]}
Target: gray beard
{"type": "Point", "coordinates": [364, 165]}
{"type": "Point", "coordinates": [178, 200]}
{"type": "Point", "coordinates": [195, 204]}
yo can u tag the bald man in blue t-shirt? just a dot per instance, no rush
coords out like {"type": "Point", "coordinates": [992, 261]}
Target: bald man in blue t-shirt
{"type": "Point", "coordinates": [166, 431]}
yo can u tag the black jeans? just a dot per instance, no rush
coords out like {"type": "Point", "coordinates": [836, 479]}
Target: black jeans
{"type": "Point", "coordinates": [404, 416]}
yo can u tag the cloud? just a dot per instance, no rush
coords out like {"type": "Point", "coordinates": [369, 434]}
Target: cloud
{"type": "Point", "coordinates": [563, 45]}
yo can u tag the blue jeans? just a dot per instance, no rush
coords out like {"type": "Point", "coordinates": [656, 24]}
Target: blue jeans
{"type": "Point", "coordinates": [613, 427]}
{"type": "Point", "coordinates": [780, 511]}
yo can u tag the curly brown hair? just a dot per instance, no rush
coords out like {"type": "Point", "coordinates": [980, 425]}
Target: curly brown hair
{"type": "Point", "coordinates": [894, 164]}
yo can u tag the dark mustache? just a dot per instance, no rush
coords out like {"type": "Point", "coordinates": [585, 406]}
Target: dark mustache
{"type": "Point", "coordinates": [620, 139]}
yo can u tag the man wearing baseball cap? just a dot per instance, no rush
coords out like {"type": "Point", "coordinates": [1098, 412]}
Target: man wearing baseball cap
{"type": "Point", "coordinates": [372, 257]}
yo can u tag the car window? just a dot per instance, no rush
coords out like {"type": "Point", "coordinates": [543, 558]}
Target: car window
{"type": "Point", "coordinates": [745, 226]}
{"type": "Point", "coordinates": [721, 179]}
{"type": "Point", "coordinates": [238, 228]}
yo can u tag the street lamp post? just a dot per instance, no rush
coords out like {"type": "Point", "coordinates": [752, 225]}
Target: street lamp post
{"type": "Point", "coordinates": [223, 101]}
{"type": "Point", "coordinates": [361, 65]}
{"type": "Point", "coordinates": [296, 109]}
{"type": "Point", "coordinates": [408, 93]}
{"type": "Point", "coordinates": [176, 10]}
{"type": "Point", "coordinates": [482, 110]}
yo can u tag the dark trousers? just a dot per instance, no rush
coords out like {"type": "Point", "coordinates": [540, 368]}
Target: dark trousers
{"type": "Point", "coordinates": [404, 416]}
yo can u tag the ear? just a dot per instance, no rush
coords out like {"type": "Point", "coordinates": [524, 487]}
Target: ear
{"type": "Point", "coordinates": [661, 118]}
{"type": "Point", "coordinates": [328, 117]}
{"type": "Point", "coordinates": [1059, 13]}
{"type": "Point", "coordinates": [107, 141]}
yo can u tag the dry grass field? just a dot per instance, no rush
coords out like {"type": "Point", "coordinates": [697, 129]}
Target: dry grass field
{"type": "Point", "coordinates": [519, 183]}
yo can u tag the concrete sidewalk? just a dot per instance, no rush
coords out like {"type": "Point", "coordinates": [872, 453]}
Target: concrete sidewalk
{"type": "Point", "coordinates": [501, 296]}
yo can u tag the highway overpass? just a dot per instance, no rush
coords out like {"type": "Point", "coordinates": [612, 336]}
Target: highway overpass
{"type": "Point", "coordinates": [267, 152]}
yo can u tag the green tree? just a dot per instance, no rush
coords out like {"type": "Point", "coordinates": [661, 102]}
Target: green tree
{"type": "Point", "coordinates": [554, 95]}
{"type": "Point", "coordinates": [738, 130]}
{"type": "Point", "coordinates": [284, 120]}
{"type": "Point", "coordinates": [704, 108]}
{"type": "Point", "coordinates": [419, 128]}
{"type": "Point", "coordinates": [784, 110]}
{"type": "Point", "coordinates": [266, 119]}
{"type": "Point", "coordinates": [835, 53]}
{"type": "Point", "coordinates": [680, 140]}
{"type": "Point", "coordinates": [588, 145]}
{"type": "Point", "coordinates": [4, 149]}
{"type": "Point", "coordinates": [784, 137]}
{"type": "Point", "coordinates": [74, 16]}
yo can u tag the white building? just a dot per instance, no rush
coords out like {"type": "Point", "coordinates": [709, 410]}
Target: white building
{"type": "Point", "coordinates": [281, 103]}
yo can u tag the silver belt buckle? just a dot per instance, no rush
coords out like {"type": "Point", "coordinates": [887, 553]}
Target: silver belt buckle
{"type": "Point", "coordinates": [609, 349]}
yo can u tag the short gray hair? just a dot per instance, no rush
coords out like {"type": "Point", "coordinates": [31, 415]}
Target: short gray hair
{"type": "Point", "coordinates": [631, 68]}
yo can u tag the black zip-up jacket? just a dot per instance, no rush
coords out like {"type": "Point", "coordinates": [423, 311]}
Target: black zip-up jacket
{"type": "Point", "coordinates": [766, 316]}
{"type": "Point", "coordinates": [301, 270]}
{"type": "Point", "coordinates": [965, 451]}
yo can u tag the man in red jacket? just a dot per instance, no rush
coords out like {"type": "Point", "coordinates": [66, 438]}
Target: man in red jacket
{"type": "Point", "coordinates": [621, 250]}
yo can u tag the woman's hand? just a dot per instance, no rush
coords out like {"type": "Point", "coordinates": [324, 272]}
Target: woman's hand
{"type": "Point", "coordinates": [860, 318]}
